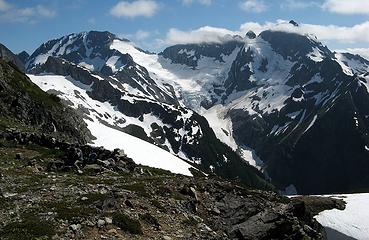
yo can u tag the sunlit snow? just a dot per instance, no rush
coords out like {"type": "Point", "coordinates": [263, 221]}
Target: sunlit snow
{"type": "Point", "coordinates": [140, 151]}
{"type": "Point", "coordinates": [353, 221]}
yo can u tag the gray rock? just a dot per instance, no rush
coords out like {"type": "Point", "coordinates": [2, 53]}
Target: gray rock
{"type": "Point", "coordinates": [93, 168]}
{"type": "Point", "coordinates": [75, 227]}
{"type": "Point", "coordinates": [194, 194]}
{"type": "Point", "coordinates": [251, 35]}
{"type": "Point", "coordinates": [100, 223]}
{"type": "Point", "coordinates": [108, 220]}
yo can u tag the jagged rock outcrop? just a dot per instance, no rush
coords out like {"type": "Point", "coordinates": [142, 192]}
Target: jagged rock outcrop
{"type": "Point", "coordinates": [23, 57]}
{"type": "Point", "coordinates": [24, 105]}
{"type": "Point", "coordinates": [251, 35]}
{"type": "Point", "coordinates": [190, 54]}
{"type": "Point", "coordinates": [8, 56]}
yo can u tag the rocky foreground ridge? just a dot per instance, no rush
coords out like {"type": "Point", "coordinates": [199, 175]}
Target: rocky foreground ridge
{"type": "Point", "coordinates": [51, 189]}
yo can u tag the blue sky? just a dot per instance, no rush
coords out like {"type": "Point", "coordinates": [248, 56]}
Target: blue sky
{"type": "Point", "coordinates": [154, 24]}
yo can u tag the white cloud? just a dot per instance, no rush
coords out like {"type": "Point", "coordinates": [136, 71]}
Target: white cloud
{"type": "Point", "coordinates": [347, 6]}
{"type": "Point", "coordinates": [203, 34]}
{"type": "Point", "coordinates": [140, 34]}
{"type": "Point", "coordinates": [364, 52]}
{"type": "Point", "coordinates": [45, 12]}
{"type": "Point", "coordinates": [298, 4]}
{"type": "Point", "coordinates": [357, 34]}
{"type": "Point", "coordinates": [353, 34]}
{"type": "Point", "coordinates": [144, 8]}
{"type": "Point", "coordinates": [256, 6]}
{"type": "Point", "coordinates": [12, 13]}
{"type": "Point", "coordinates": [4, 5]}
{"type": "Point", "coordinates": [202, 2]}
{"type": "Point", "coordinates": [137, 36]}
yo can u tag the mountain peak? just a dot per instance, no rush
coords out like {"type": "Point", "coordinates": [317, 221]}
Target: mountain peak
{"type": "Point", "coordinates": [251, 35]}
{"type": "Point", "coordinates": [101, 36]}
{"type": "Point", "coordinates": [87, 48]}
{"type": "Point", "coordinates": [9, 56]}
{"type": "Point", "coordinates": [294, 45]}
{"type": "Point", "coordinates": [23, 56]}
{"type": "Point", "coordinates": [293, 23]}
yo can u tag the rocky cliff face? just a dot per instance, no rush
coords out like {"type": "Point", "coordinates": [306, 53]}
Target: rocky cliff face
{"type": "Point", "coordinates": [23, 57]}
{"type": "Point", "coordinates": [8, 56]}
{"type": "Point", "coordinates": [284, 121]}
{"type": "Point", "coordinates": [190, 54]}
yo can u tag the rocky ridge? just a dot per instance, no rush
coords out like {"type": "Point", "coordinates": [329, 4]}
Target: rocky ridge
{"type": "Point", "coordinates": [25, 106]}
{"type": "Point", "coordinates": [46, 193]}
{"type": "Point", "coordinates": [8, 56]}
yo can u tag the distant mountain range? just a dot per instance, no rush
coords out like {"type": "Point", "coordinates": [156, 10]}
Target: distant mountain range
{"type": "Point", "coordinates": [280, 101]}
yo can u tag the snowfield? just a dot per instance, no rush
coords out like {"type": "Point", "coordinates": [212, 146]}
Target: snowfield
{"type": "Point", "coordinates": [190, 84]}
{"type": "Point", "coordinates": [140, 151]}
{"type": "Point", "coordinates": [353, 221]}
{"type": "Point", "coordinates": [222, 127]}
{"type": "Point", "coordinates": [193, 85]}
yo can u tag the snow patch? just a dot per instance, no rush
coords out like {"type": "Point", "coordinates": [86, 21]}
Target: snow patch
{"type": "Point", "coordinates": [140, 151]}
{"type": "Point", "coordinates": [316, 55]}
{"type": "Point", "coordinates": [353, 221]}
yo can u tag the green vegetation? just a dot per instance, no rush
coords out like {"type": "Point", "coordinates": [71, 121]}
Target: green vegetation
{"type": "Point", "coordinates": [191, 221]}
{"type": "Point", "coordinates": [177, 196]}
{"type": "Point", "coordinates": [93, 198]}
{"type": "Point", "coordinates": [138, 188]}
{"type": "Point", "coordinates": [167, 192]}
{"type": "Point", "coordinates": [46, 152]}
{"type": "Point", "coordinates": [20, 82]}
{"type": "Point", "coordinates": [3, 203]}
{"type": "Point", "coordinates": [158, 205]}
{"type": "Point", "coordinates": [157, 171]}
{"type": "Point", "coordinates": [149, 219]}
{"type": "Point", "coordinates": [127, 224]}
{"type": "Point", "coordinates": [30, 228]}
{"type": "Point", "coordinates": [10, 122]}
{"type": "Point", "coordinates": [70, 211]}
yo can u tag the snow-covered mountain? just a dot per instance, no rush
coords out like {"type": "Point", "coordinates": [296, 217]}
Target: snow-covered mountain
{"type": "Point", "coordinates": [115, 85]}
{"type": "Point", "coordinates": [301, 108]}
{"type": "Point", "coordinates": [282, 100]}
{"type": "Point", "coordinates": [140, 151]}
